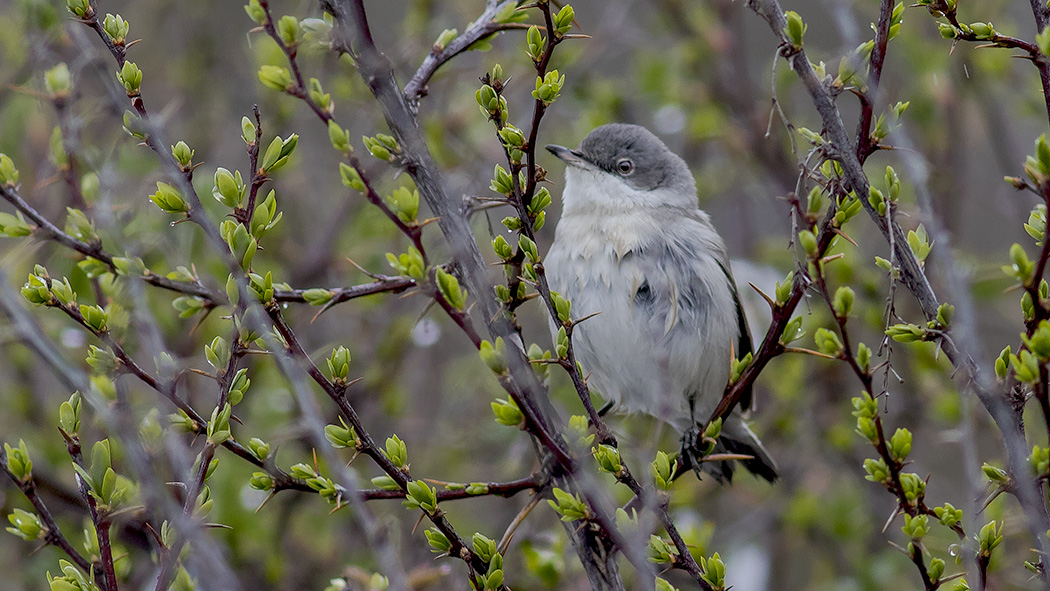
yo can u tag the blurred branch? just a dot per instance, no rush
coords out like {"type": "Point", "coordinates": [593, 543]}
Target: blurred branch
{"type": "Point", "coordinates": [351, 35]}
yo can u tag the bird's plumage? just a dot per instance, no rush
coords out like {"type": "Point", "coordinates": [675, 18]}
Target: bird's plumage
{"type": "Point", "coordinates": [633, 248]}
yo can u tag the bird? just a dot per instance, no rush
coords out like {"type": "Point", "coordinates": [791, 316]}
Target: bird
{"type": "Point", "coordinates": [646, 269]}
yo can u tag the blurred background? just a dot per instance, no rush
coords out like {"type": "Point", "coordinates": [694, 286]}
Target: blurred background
{"type": "Point", "coordinates": [701, 75]}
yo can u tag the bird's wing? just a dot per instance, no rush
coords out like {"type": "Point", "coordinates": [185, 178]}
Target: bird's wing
{"type": "Point", "coordinates": [743, 345]}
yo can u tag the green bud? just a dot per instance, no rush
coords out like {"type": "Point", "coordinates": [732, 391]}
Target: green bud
{"type": "Point", "coordinates": [900, 444]}
{"type": "Point", "coordinates": [182, 154]}
{"type": "Point", "coordinates": [255, 12]}
{"type": "Point", "coordinates": [916, 527]}
{"type": "Point", "coordinates": [247, 131]}
{"type": "Point", "coordinates": [8, 172]}
{"type": "Point", "coordinates": [57, 81]}
{"type": "Point", "coordinates": [278, 152]}
{"type": "Point", "coordinates": [1026, 367]}
{"type": "Point", "coordinates": [808, 240]}
{"type": "Point", "coordinates": [494, 355]}
{"type": "Point", "coordinates": [793, 331]}
{"type": "Point", "coordinates": [275, 77]}
{"type": "Point", "coordinates": [439, 543]}
{"type": "Point", "coordinates": [350, 177]}
{"type": "Point", "coordinates": [410, 264]}
{"type": "Point", "coordinates": [842, 304]}
{"type": "Point", "coordinates": [502, 181]}
{"type": "Point", "coordinates": [828, 342]}
{"type": "Point", "coordinates": [877, 470]}
{"type": "Point", "coordinates": [94, 317]}
{"type": "Point", "coordinates": [795, 28]}
{"type": "Point", "coordinates": [79, 8]}
{"type": "Point", "coordinates": [659, 551]}
{"type": "Point", "coordinates": [261, 481]}
{"type": "Point", "coordinates": [536, 44]}
{"type": "Point", "coordinates": [919, 242]}
{"type": "Point", "coordinates": [18, 462]}
{"type": "Point", "coordinates": [444, 38]}
{"type": "Point", "coordinates": [1043, 41]}
{"type": "Point", "coordinates": [663, 470]}
{"type": "Point", "coordinates": [563, 20]}
{"type": "Point", "coordinates": [289, 30]}
{"type": "Point", "coordinates": [341, 435]}
{"type": "Point", "coordinates": [562, 308]}
{"type": "Point", "coordinates": [405, 203]}
{"type": "Point", "coordinates": [229, 189]}
{"type": "Point", "coordinates": [26, 525]}
{"type": "Point", "coordinates": [502, 248]}
{"type": "Point", "coordinates": [69, 414]}
{"type": "Point", "coordinates": [130, 76]}
{"type": "Point", "coordinates": [507, 412]}
{"type": "Point", "coordinates": [420, 495]}
{"type": "Point", "coordinates": [169, 199]}
{"type": "Point", "coordinates": [450, 289]}
{"type": "Point", "coordinates": [714, 571]}
{"type": "Point", "coordinates": [990, 536]}
{"type": "Point", "coordinates": [548, 88]}
{"type": "Point", "coordinates": [569, 506]}
{"type": "Point", "coordinates": [116, 28]}
{"type": "Point", "coordinates": [339, 137]}
{"type": "Point", "coordinates": [948, 515]}
{"type": "Point", "coordinates": [528, 247]}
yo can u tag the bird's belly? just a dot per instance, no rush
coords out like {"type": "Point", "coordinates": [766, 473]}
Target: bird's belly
{"type": "Point", "coordinates": [624, 350]}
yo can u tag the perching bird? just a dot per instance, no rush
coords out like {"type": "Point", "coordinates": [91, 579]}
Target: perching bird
{"type": "Point", "coordinates": [633, 249]}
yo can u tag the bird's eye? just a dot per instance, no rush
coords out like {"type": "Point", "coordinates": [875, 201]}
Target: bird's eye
{"type": "Point", "coordinates": [625, 166]}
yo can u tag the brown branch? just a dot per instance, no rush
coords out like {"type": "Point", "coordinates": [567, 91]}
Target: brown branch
{"type": "Point", "coordinates": [498, 489]}
{"type": "Point", "coordinates": [54, 534]}
{"type": "Point", "coordinates": [482, 27]}
{"type": "Point", "coordinates": [912, 276]}
{"type": "Point", "coordinates": [99, 519]}
{"type": "Point", "coordinates": [366, 444]}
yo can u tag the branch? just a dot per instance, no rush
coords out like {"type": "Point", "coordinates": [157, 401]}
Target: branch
{"type": "Point", "coordinates": [482, 27]}
{"type": "Point", "coordinates": [842, 149]}
{"type": "Point", "coordinates": [54, 535]}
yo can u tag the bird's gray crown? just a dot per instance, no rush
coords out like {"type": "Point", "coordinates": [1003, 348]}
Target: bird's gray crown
{"type": "Point", "coordinates": [633, 153]}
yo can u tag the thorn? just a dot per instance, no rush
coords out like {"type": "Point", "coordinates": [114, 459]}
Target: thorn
{"type": "Point", "coordinates": [418, 521]}
{"type": "Point", "coordinates": [587, 317]}
{"type": "Point", "coordinates": [201, 372]}
{"type": "Point", "coordinates": [364, 270]}
{"type": "Point", "coordinates": [844, 235]}
{"type": "Point", "coordinates": [808, 352]}
{"type": "Point", "coordinates": [893, 515]}
{"type": "Point", "coordinates": [768, 299]}
{"type": "Point", "coordinates": [272, 494]}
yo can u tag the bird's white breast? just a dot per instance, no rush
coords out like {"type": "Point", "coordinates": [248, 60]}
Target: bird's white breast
{"type": "Point", "coordinates": [650, 356]}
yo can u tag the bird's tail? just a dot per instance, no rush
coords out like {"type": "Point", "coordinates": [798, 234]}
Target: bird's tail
{"type": "Point", "coordinates": [738, 438]}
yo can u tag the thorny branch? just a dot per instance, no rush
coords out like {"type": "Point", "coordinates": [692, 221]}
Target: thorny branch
{"type": "Point", "coordinates": [840, 147]}
{"type": "Point", "coordinates": [54, 534]}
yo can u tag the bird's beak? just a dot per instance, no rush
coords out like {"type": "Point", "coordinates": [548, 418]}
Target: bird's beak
{"type": "Point", "coordinates": [570, 157]}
